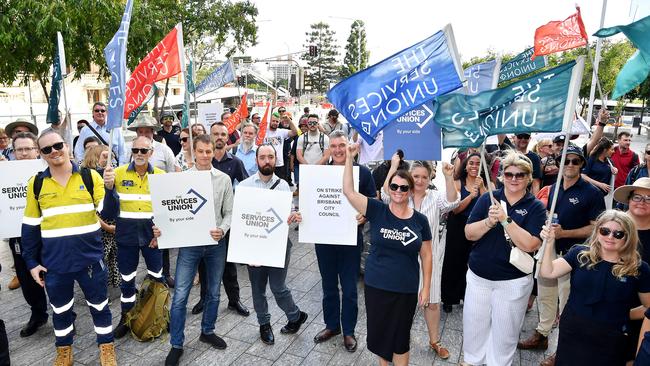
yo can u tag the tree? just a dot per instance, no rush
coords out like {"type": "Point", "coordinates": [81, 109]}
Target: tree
{"type": "Point", "coordinates": [356, 54]}
{"type": "Point", "coordinates": [322, 67]}
{"type": "Point", "coordinates": [28, 31]}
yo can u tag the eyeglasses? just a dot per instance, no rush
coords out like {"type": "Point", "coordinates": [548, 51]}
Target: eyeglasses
{"type": "Point", "coordinates": [100, 111]}
{"type": "Point", "coordinates": [24, 149]}
{"type": "Point", "coordinates": [516, 176]}
{"type": "Point", "coordinates": [576, 162]}
{"type": "Point", "coordinates": [48, 149]}
{"type": "Point", "coordinates": [617, 234]}
{"type": "Point", "coordinates": [395, 187]}
{"type": "Point", "coordinates": [523, 137]}
{"type": "Point", "coordinates": [647, 152]}
{"type": "Point", "coordinates": [142, 151]}
{"type": "Point", "coordinates": [183, 139]}
{"type": "Point", "coordinates": [638, 198]}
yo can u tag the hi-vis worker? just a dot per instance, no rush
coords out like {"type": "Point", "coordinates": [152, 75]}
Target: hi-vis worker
{"type": "Point", "coordinates": [127, 187]}
{"type": "Point", "coordinates": [62, 244]}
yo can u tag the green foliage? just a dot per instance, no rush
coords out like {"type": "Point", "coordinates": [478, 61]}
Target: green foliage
{"type": "Point", "coordinates": [356, 54]}
{"type": "Point", "coordinates": [322, 68]}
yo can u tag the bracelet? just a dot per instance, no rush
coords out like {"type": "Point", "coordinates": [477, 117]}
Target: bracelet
{"type": "Point", "coordinates": [488, 225]}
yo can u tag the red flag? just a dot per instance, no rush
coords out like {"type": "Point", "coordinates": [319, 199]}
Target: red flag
{"type": "Point", "coordinates": [163, 62]}
{"type": "Point", "coordinates": [558, 35]}
{"type": "Point", "coordinates": [234, 119]}
{"type": "Point", "coordinates": [264, 125]}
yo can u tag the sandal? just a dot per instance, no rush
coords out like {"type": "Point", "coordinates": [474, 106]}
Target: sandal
{"type": "Point", "coordinates": [441, 351]}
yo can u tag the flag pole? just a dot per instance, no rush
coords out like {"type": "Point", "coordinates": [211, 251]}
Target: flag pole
{"type": "Point", "coordinates": [487, 173]}
{"type": "Point", "coordinates": [594, 75]}
{"type": "Point", "coordinates": [196, 112]}
{"type": "Point", "coordinates": [65, 101]}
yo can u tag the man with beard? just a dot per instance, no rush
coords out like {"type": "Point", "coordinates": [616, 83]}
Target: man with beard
{"type": "Point", "coordinates": [623, 158]}
{"type": "Point", "coordinates": [170, 133]}
{"type": "Point", "coordinates": [234, 168]}
{"type": "Point", "coordinates": [246, 149]}
{"type": "Point", "coordinates": [275, 137]}
{"type": "Point", "coordinates": [97, 127]}
{"type": "Point", "coordinates": [275, 277]}
{"type": "Point", "coordinates": [312, 146]}
{"type": "Point", "coordinates": [578, 205]}
{"type": "Point", "coordinates": [127, 189]}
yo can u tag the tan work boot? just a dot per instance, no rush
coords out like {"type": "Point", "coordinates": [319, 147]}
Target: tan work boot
{"type": "Point", "coordinates": [63, 356]}
{"type": "Point", "coordinates": [107, 354]}
{"type": "Point", "coordinates": [14, 283]}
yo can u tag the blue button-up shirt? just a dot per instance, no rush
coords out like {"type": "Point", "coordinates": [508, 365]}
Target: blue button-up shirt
{"type": "Point", "coordinates": [248, 158]}
{"type": "Point", "coordinates": [118, 142]}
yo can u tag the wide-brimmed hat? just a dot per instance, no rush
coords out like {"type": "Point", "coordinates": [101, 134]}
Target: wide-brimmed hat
{"type": "Point", "coordinates": [21, 122]}
{"type": "Point", "coordinates": [622, 193]}
{"type": "Point", "coordinates": [144, 120]}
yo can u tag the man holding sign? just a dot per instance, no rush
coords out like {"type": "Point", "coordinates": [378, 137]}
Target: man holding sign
{"type": "Point", "coordinates": [342, 262]}
{"type": "Point", "coordinates": [214, 256]}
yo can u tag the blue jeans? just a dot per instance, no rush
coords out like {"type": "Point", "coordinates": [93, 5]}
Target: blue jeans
{"type": "Point", "coordinates": [186, 267]}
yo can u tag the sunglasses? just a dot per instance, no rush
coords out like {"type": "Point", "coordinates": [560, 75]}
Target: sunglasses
{"type": "Point", "coordinates": [647, 152]}
{"type": "Point", "coordinates": [142, 151]}
{"type": "Point", "coordinates": [517, 176]}
{"type": "Point", "coordinates": [48, 149]}
{"type": "Point", "coordinates": [395, 187]}
{"type": "Point", "coordinates": [638, 198]}
{"type": "Point", "coordinates": [100, 111]}
{"type": "Point", "coordinates": [576, 162]}
{"type": "Point", "coordinates": [312, 123]}
{"type": "Point", "coordinates": [617, 234]}
{"type": "Point", "coordinates": [183, 139]}
{"type": "Point", "coordinates": [523, 137]}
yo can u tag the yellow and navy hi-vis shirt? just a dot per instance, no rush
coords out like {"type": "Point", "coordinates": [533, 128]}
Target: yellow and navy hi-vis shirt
{"type": "Point", "coordinates": [60, 227]}
{"type": "Point", "coordinates": [134, 213]}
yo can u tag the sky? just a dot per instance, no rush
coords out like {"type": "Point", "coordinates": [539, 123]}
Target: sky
{"type": "Point", "coordinates": [505, 26]}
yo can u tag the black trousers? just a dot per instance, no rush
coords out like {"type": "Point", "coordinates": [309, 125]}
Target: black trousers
{"type": "Point", "coordinates": [33, 293]}
{"type": "Point", "coordinates": [229, 277]}
{"type": "Point", "coordinates": [4, 345]}
{"type": "Point", "coordinates": [165, 267]}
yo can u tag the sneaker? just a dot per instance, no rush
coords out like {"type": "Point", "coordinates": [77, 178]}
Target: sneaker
{"type": "Point", "coordinates": [213, 340]}
{"type": "Point", "coordinates": [107, 354]}
{"type": "Point", "coordinates": [173, 357]}
{"type": "Point", "coordinates": [293, 327]}
{"type": "Point", "coordinates": [63, 356]}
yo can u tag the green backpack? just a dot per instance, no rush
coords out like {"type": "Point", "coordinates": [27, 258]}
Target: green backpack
{"type": "Point", "coordinates": [149, 318]}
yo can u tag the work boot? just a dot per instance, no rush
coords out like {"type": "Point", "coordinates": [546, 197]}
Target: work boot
{"type": "Point", "coordinates": [63, 356]}
{"type": "Point", "coordinates": [14, 283]}
{"type": "Point", "coordinates": [121, 329]}
{"type": "Point", "coordinates": [107, 354]}
{"type": "Point", "coordinates": [536, 341]}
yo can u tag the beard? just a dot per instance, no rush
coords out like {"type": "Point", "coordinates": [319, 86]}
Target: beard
{"type": "Point", "coordinates": [247, 145]}
{"type": "Point", "coordinates": [266, 169]}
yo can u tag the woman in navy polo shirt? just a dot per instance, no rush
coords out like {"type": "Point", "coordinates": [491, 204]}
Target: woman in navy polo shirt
{"type": "Point", "coordinates": [497, 292]}
{"type": "Point", "coordinates": [643, 353]}
{"type": "Point", "coordinates": [606, 275]}
{"type": "Point", "coordinates": [599, 169]}
{"type": "Point", "coordinates": [399, 234]}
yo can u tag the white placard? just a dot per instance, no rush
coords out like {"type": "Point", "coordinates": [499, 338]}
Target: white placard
{"type": "Point", "coordinates": [209, 114]}
{"type": "Point", "coordinates": [13, 193]}
{"type": "Point", "coordinates": [183, 208]}
{"type": "Point", "coordinates": [259, 230]}
{"type": "Point", "coordinates": [327, 216]}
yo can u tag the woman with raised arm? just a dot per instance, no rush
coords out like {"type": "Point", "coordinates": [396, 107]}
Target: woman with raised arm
{"type": "Point", "coordinates": [398, 235]}
{"type": "Point", "coordinates": [606, 275]}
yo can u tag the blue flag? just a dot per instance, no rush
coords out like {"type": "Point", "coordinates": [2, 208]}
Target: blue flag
{"type": "Point", "coordinates": [376, 96]}
{"type": "Point", "coordinates": [115, 54]}
{"type": "Point", "coordinates": [218, 78]}
{"type": "Point", "coordinates": [535, 104]}
{"type": "Point", "coordinates": [481, 77]}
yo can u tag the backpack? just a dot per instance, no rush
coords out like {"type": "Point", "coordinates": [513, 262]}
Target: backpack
{"type": "Point", "coordinates": [86, 177]}
{"type": "Point", "coordinates": [149, 318]}
{"type": "Point", "coordinates": [321, 142]}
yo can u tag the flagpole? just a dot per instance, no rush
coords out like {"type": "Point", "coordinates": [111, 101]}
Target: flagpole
{"type": "Point", "coordinates": [65, 99]}
{"type": "Point", "coordinates": [196, 112]}
{"type": "Point", "coordinates": [487, 173]}
{"type": "Point", "coordinates": [31, 106]}
{"type": "Point", "coordinates": [594, 75]}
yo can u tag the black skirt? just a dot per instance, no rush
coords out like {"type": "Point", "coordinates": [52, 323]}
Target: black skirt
{"type": "Point", "coordinates": [583, 341]}
{"type": "Point", "coordinates": [390, 316]}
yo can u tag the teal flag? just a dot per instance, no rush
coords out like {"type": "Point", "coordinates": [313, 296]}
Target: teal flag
{"type": "Point", "coordinates": [637, 67]}
{"type": "Point", "coordinates": [55, 92]}
{"type": "Point", "coordinates": [535, 104]}
{"type": "Point", "coordinates": [521, 65]}
{"type": "Point", "coordinates": [137, 111]}
{"type": "Point", "coordinates": [189, 88]}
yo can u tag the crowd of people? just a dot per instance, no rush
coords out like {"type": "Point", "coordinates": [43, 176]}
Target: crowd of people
{"type": "Point", "coordinates": [89, 218]}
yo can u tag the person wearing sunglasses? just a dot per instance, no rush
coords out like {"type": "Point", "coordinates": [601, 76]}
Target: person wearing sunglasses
{"type": "Point", "coordinates": [520, 144]}
{"type": "Point", "coordinates": [127, 189]}
{"type": "Point", "coordinates": [400, 235]}
{"type": "Point", "coordinates": [61, 245]}
{"type": "Point", "coordinates": [184, 157]}
{"type": "Point", "coordinates": [607, 275]}
{"type": "Point", "coordinates": [97, 127]}
{"type": "Point", "coordinates": [497, 292]}
{"type": "Point", "coordinates": [578, 206]}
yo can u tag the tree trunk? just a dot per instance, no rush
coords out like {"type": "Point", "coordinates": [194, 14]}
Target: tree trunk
{"type": "Point", "coordinates": [44, 86]}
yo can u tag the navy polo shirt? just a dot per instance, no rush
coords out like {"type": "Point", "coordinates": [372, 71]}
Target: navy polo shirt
{"type": "Point", "coordinates": [392, 263]}
{"type": "Point", "coordinates": [598, 170]}
{"type": "Point", "coordinates": [644, 244]}
{"type": "Point", "coordinates": [576, 207]}
{"type": "Point", "coordinates": [172, 139]}
{"type": "Point", "coordinates": [537, 164]}
{"type": "Point", "coordinates": [490, 255]}
{"type": "Point", "coordinates": [597, 295]}
{"type": "Point", "coordinates": [232, 166]}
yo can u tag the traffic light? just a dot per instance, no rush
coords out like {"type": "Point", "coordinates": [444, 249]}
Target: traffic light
{"type": "Point", "coordinates": [313, 51]}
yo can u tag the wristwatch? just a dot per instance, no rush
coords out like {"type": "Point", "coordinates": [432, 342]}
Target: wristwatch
{"type": "Point", "coordinates": [506, 222]}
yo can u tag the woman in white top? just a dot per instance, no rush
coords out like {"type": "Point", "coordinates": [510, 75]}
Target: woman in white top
{"type": "Point", "coordinates": [432, 204]}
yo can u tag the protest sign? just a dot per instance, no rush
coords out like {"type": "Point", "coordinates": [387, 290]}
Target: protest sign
{"type": "Point", "coordinates": [521, 65]}
{"type": "Point", "coordinates": [183, 208]}
{"type": "Point", "coordinates": [13, 193]}
{"type": "Point", "coordinates": [536, 104]}
{"type": "Point", "coordinates": [259, 230]}
{"type": "Point", "coordinates": [209, 113]}
{"type": "Point", "coordinates": [371, 99]}
{"type": "Point", "coordinates": [323, 206]}
{"type": "Point", "coordinates": [415, 134]}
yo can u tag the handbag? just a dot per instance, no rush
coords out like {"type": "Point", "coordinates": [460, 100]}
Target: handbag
{"type": "Point", "coordinates": [518, 258]}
